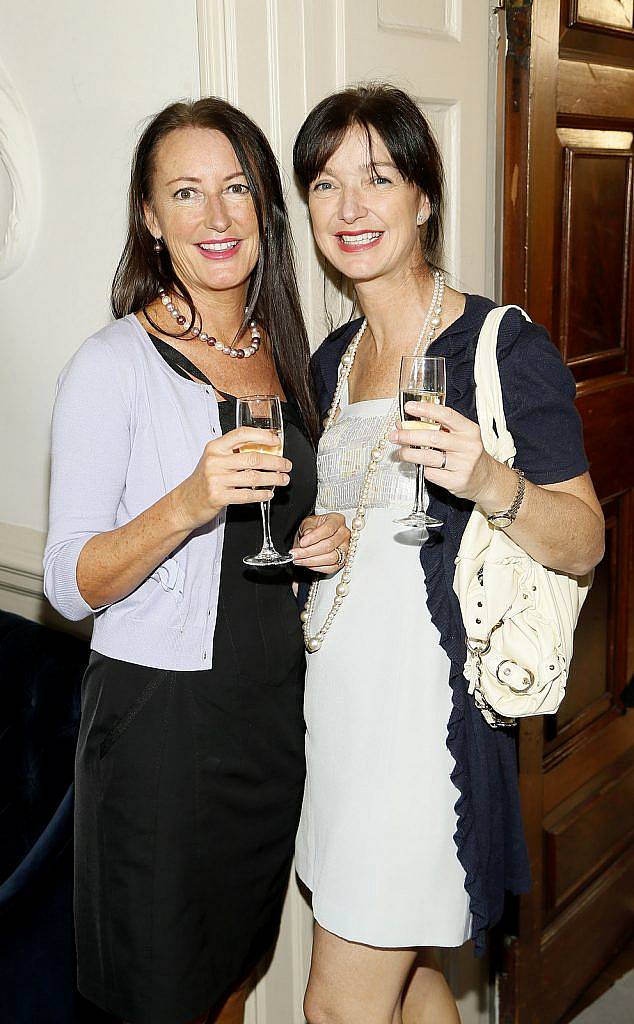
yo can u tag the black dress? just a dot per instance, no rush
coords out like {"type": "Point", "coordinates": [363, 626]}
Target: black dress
{"type": "Point", "coordinates": [189, 787]}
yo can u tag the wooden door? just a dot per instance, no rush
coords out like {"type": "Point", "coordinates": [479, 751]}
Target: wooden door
{"type": "Point", "coordinates": [568, 238]}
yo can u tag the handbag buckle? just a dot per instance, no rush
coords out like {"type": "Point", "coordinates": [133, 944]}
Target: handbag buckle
{"type": "Point", "coordinates": [478, 647]}
{"type": "Point", "coordinates": [504, 673]}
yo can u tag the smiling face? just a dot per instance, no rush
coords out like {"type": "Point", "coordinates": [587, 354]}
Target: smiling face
{"type": "Point", "coordinates": [364, 213]}
{"type": "Point", "coordinates": [202, 207]}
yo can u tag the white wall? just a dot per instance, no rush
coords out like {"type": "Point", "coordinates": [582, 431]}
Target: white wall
{"type": "Point", "coordinates": [86, 74]}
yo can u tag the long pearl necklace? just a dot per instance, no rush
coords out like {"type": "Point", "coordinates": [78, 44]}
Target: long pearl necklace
{"type": "Point", "coordinates": [235, 353]}
{"type": "Point", "coordinates": [432, 321]}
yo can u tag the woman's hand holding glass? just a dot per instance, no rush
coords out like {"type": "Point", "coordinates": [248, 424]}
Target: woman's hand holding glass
{"type": "Point", "coordinates": [321, 543]}
{"type": "Point", "coordinates": [458, 461]}
{"type": "Point", "coordinates": [227, 476]}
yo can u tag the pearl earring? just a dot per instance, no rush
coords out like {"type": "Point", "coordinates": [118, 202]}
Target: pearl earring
{"type": "Point", "coordinates": [158, 245]}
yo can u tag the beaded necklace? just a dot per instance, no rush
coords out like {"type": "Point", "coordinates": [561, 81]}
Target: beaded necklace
{"type": "Point", "coordinates": [432, 321]}
{"type": "Point", "coordinates": [228, 350]}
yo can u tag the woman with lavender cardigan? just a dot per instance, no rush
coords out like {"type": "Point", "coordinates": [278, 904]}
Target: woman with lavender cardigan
{"type": "Point", "coordinates": [190, 762]}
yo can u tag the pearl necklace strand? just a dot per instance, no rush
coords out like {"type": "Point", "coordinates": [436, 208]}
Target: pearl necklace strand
{"type": "Point", "coordinates": [425, 338]}
{"type": "Point", "coordinates": [235, 353]}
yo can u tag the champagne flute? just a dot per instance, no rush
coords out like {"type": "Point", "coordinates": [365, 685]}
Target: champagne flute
{"type": "Point", "coordinates": [422, 379]}
{"type": "Point", "coordinates": [265, 413]}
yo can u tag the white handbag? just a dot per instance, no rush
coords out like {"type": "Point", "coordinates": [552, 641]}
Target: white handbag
{"type": "Point", "coordinates": [519, 616]}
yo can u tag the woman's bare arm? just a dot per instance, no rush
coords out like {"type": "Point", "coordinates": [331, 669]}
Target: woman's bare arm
{"type": "Point", "coordinates": [112, 564]}
{"type": "Point", "coordinates": [560, 525]}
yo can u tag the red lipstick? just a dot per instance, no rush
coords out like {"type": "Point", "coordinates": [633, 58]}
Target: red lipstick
{"type": "Point", "coordinates": [358, 241]}
{"type": "Point", "coordinates": [221, 248]}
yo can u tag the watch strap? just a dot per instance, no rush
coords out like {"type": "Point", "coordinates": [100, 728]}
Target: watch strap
{"type": "Point", "coordinates": [506, 518]}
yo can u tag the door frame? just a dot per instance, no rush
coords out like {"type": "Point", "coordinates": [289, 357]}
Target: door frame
{"type": "Point", "coordinates": [529, 197]}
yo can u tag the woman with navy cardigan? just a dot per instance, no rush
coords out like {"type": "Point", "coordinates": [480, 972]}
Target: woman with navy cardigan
{"type": "Point", "coordinates": [190, 762]}
{"type": "Point", "coordinates": [411, 828]}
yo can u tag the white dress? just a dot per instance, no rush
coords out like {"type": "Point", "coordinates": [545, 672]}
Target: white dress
{"type": "Point", "coordinates": [375, 842]}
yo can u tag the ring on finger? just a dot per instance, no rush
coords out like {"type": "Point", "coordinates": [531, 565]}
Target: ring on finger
{"type": "Point", "coordinates": [340, 557]}
{"type": "Point", "coordinates": [444, 461]}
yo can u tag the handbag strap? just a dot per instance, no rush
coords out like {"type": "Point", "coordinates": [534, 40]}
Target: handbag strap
{"type": "Point", "coordinates": [496, 437]}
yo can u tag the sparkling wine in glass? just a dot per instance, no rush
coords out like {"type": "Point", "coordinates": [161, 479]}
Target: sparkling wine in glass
{"type": "Point", "coordinates": [265, 413]}
{"type": "Point", "coordinates": [422, 379]}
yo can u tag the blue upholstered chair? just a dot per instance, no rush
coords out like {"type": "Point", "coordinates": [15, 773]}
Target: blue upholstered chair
{"type": "Point", "coordinates": [40, 679]}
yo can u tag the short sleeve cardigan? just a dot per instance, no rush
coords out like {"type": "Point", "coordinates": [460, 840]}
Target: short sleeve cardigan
{"type": "Point", "coordinates": [538, 392]}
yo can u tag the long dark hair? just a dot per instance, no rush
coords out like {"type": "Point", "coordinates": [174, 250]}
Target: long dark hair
{"type": "Point", "coordinates": [272, 295]}
{"type": "Point", "coordinates": [407, 136]}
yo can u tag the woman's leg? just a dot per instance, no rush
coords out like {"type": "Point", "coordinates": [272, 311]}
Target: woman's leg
{"type": "Point", "coordinates": [232, 1011]}
{"type": "Point", "coordinates": [427, 998]}
{"type": "Point", "coordinates": [354, 984]}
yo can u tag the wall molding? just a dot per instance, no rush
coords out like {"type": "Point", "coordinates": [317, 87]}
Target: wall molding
{"type": "Point", "coordinates": [21, 574]}
{"type": "Point", "coordinates": [444, 118]}
{"type": "Point", "coordinates": [21, 581]}
{"type": "Point", "coordinates": [21, 552]}
{"type": "Point", "coordinates": [20, 159]}
{"type": "Point", "coordinates": [216, 23]}
{"type": "Point", "coordinates": [393, 16]}
{"type": "Point", "coordinates": [341, 78]}
{"type": "Point", "coordinates": [275, 107]}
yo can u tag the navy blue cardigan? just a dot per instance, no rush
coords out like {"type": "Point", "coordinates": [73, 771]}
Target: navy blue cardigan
{"type": "Point", "coordinates": [538, 395]}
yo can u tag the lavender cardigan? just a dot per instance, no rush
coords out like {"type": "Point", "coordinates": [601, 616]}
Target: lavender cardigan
{"type": "Point", "coordinates": [126, 430]}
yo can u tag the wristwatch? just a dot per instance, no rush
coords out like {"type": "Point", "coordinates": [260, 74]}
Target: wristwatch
{"type": "Point", "coordinates": [504, 519]}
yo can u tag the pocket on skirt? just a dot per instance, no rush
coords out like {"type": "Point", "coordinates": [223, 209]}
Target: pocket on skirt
{"type": "Point", "coordinates": [114, 694]}
{"type": "Point", "coordinates": [122, 724]}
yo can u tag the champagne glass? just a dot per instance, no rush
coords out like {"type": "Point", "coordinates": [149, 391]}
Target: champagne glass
{"type": "Point", "coordinates": [265, 413]}
{"type": "Point", "coordinates": [422, 379]}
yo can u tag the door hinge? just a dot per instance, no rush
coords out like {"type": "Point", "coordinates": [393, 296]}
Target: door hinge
{"type": "Point", "coordinates": [509, 5]}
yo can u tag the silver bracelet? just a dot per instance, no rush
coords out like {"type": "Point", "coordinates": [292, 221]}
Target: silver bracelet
{"type": "Point", "coordinates": [502, 520]}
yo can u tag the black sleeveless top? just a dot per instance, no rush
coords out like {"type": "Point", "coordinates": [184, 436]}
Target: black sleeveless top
{"type": "Point", "coordinates": [258, 618]}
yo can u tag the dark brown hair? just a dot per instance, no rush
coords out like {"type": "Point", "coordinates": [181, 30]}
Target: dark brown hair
{"type": "Point", "coordinates": [407, 136]}
{"type": "Point", "coordinates": [272, 295]}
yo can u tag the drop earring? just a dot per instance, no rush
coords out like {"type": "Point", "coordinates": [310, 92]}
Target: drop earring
{"type": "Point", "coordinates": [419, 219]}
{"type": "Point", "coordinates": [158, 245]}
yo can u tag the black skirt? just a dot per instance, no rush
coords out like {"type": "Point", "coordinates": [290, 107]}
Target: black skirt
{"type": "Point", "coordinates": [189, 789]}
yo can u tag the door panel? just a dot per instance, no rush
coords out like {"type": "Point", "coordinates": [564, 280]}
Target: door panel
{"type": "Point", "coordinates": [615, 14]}
{"type": "Point", "coordinates": [586, 936]}
{"type": "Point", "coordinates": [592, 829]}
{"type": "Point", "coordinates": [569, 130]}
{"type": "Point", "coordinates": [595, 219]}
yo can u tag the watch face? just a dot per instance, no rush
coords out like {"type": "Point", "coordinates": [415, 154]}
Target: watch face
{"type": "Point", "coordinates": [501, 521]}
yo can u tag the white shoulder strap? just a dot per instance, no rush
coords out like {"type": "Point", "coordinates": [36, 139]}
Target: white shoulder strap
{"type": "Point", "coordinates": [489, 404]}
